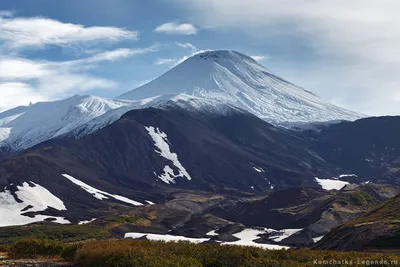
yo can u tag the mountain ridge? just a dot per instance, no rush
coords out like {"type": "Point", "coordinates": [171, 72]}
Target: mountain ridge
{"type": "Point", "coordinates": [234, 78]}
{"type": "Point", "coordinates": [212, 82]}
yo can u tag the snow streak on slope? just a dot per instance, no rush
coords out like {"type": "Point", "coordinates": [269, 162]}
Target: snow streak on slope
{"type": "Point", "coordinates": [100, 194]}
{"type": "Point", "coordinates": [34, 199]}
{"type": "Point", "coordinates": [161, 142]}
{"type": "Point", "coordinates": [233, 78]}
{"type": "Point", "coordinates": [24, 127]}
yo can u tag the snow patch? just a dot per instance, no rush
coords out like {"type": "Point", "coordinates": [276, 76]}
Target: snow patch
{"type": "Point", "coordinates": [316, 239]}
{"type": "Point", "coordinates": [347, 175]}
{"type": "Point", "coordinates": [5, 132]}
{"type": "Point", "coordinates": [99, 194]}
{"type": "Point", "coordinates": [329, 184]}
{"type": "Point", "coordinates": [161, 142]}
{"type": "Point", "coordinates": [212, 233]}
{"type": "Point", "coordinates": [247, 237]}
{"type": "Point", "coordinates": [37, 196]}
{"type": "Point", "coordinates": [283, 234]}
{"type": "Point", "coordinates": [166, 238]}
{"type": "Point", "coordinates": [150, 202]}
{"type": "Point", "coordinates": [87, 222]}
{"type": "Point", "coordinates": [258, 169]}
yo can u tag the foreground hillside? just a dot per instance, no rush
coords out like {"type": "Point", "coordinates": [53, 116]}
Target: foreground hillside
{"type": "Point", "coordinates": [313, 210]}
{"type": "Point", "coordinates": [378, 228]}
{"type": "Point", "coordinates": [294, 217]}
{"type": "Point", "coordinates": [127, 253]}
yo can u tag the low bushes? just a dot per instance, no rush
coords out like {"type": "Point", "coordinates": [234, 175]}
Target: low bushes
{"type": "Point", "coordinates": [33, 248]}
{"type": "Point", "coordinates": [145, 253]}
{"type": "Point", "coordinates": [55, 233]}
{"type": "Point", "coordinates": [3, 248]}
{"type": "Point", "coordinates": [134, 253]}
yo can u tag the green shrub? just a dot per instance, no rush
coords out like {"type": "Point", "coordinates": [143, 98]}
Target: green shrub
{"type": "Point", "coordinates": [69, 251]}
{"type": "Point", "coordinates": [65, 233]}
{"type": "Point", "coordinates": [362, 198]}
{"type": "Point", "coordinates": [123, 219]}
{"type": "Point", "coordinates": [34, 248]}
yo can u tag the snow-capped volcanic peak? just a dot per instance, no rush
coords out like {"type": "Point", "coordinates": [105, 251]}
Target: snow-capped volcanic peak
{"type": "Point", "coordinates": [23, 127]}
{"type": "Point", "coordinates": [236, 79]}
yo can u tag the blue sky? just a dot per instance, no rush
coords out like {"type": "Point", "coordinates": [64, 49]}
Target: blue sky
{"type": "Point", "coordinates": [346, 53]}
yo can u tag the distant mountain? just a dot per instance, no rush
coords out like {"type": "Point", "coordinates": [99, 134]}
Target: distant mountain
{"type": "Point", "coordinates": [233, 78]}
{"type": "Point", "coordinates": [209, 82]}
{"type": "Point", "coordinates": [24, 127]}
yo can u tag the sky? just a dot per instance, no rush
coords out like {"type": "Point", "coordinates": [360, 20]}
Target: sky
{"type": "Point", "coordinates": [347, 52]}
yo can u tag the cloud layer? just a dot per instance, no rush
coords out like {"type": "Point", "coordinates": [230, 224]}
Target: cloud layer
{"type": "Point", "coordinates": [18, 33]}
{"type": "Point", "coordinates": [24, 80]}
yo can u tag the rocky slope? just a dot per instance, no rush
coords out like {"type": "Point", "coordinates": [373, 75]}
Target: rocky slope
{"type": "Point", "coordinates": [315, 211]}
{"type": "Point", "coordinates": [376, 229]}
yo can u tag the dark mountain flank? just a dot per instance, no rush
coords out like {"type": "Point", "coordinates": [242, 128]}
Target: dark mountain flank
{"type": "Point", "coordinates": [234, 152]}
{"type": "Point", "coordinates": [367, 147]}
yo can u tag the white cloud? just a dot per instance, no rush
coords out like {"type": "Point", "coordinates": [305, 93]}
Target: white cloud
{"type": "Point", "coordinates": [24, 80]}
{"type": "Point", "coordinates": [176, 61]}
{"type": "Point", "coordinates": [22, 69]}
{"type": "Point", "coordinates": [176, 28]}
{"type": "Point", "coordinates": [35, 80]}
{"type": "Point", "coordinates": [121, 53]}
{"type": "Point", "coordinates": [354, 43]}
{"type": "Point", "coordinates": [17, 94]}
{"type": "Point", "coordinates": [258, 58]}
{"type": "Point", "coordinates": [37, 32]}
{"type": "Point", "coordinates": [186, 46]}
{"type": "Point", "coordinates": [62, 85]}
{"type": "Point", "coordinates": [166, 61]}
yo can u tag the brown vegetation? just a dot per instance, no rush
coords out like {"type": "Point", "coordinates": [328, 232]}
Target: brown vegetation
{"type": "Point", "coordinates": [153, 254]}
